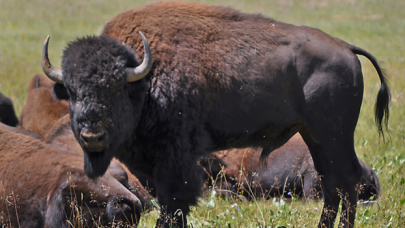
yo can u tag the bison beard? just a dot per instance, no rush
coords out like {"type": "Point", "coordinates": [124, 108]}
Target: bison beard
{"type": "Point", "coordinates": [219, 79]}
{"type": "Point", "coordinates": [96, 164]}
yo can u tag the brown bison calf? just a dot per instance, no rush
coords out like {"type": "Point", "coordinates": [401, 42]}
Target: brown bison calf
{"type": "Point", "coordinates": [44, 187]}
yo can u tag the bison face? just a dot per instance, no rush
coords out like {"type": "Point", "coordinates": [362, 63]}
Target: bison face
{"type": "Point", "coordinates": [101, 126]}
{"type": "Point", "coordinates": [103, 80]}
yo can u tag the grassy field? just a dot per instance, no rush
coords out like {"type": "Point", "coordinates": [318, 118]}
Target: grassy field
{"type": "Point", "coordinates": [377, 26]}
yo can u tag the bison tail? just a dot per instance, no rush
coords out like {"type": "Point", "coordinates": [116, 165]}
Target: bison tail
{"type": "Point", "coordinates": [383, 98]}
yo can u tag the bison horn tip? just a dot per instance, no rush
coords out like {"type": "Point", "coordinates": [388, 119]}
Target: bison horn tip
{"type": "Point", "coordinates": [137, 73]}
{"type": "Point", "coordinates": [49, 70]}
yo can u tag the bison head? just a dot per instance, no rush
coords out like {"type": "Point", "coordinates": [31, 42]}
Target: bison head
{"type": "Point", "coordinates": [103, 80]}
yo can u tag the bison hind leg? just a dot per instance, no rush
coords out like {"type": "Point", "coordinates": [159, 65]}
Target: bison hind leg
{"type": "Point", "coordinates": [337, 164]}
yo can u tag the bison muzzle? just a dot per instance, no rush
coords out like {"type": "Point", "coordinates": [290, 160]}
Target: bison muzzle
{"type": "Point", "coordinates": [94, 140]}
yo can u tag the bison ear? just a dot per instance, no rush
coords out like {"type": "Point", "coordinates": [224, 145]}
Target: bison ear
{"type": "Point", "coordinates": [59, 92]}
{"type": "Point", "coordinates": [38, 84]}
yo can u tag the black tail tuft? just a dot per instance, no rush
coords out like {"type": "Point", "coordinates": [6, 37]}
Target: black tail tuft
{"type": "Point", "coordinates": [383, 98]}
{"type": "Point", "coordinates": [381, 108]}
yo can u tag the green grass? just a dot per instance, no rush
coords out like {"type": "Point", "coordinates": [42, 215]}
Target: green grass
{"type": "Point", "coordinates": [377, 26]}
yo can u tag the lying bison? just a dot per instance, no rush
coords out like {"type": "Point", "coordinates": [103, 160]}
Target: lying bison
{"type": "Point", "coordinates": [45, 114]}
{"type": "Point", "coordinates": [288, 171]}
{"type": "Point", "coordinates": [41, 186]}
{"type": "Point", "coordinates": [218, 79]}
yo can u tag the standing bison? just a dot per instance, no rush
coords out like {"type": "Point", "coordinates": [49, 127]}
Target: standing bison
{"type": "Point", "coordinates": [218, 79]}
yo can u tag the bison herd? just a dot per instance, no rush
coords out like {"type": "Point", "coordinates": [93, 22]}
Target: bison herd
{"type": "Point", "coordinates": [254, 107]}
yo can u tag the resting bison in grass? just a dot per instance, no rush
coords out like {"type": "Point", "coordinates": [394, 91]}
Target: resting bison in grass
{"type": "Point", "coordinates": [45, 114]}
{"type": "Point", "coordinates": [218, 79]}
{"type": "Point", "coordinates": [288, 171]}
{"type": "Point", "coordinates": [41, 186]}
{"type": "Point", "coordinates": [7, 113]}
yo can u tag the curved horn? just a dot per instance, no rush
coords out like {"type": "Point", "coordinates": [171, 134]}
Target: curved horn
{"type": "Point", "coordinates": [54, 74]}
{"type": "Point", "coordinates": [137, 73]}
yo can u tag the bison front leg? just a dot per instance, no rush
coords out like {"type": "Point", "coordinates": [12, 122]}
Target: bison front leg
{"type": "Point", "coordinates": [179, 184]}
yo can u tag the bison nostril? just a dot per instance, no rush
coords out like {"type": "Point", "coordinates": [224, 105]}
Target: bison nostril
{"type": "Point", "coordinates": [84, 137]}
{"type": "Point", "coordinates": [101, 137]}
{"type": "Point", "coordinates": [94, 139]}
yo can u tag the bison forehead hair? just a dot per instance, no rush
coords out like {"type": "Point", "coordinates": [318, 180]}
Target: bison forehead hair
{"type": "Point", "coordinates": [100, 61]}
